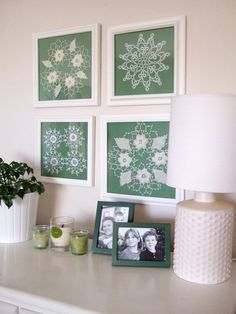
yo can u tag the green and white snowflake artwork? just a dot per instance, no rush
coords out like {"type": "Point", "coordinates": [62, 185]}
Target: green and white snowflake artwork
{"type": "Point", "coordinates": [137, 157]}
{"type": "Point", "coordinates": [64, 150]}
{"type": "Point", "coordinates": [64, 67]}
{"type": "Point", "coordinates": [144, 62]}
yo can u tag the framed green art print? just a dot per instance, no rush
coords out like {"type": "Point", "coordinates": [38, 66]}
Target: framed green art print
{"type": "Point", "coordinates": [66, 67]}
{"type": "Point", "coordinates": [147, 62]}
{"type": "Point", "coordinates": [65, 150]}
{"type": "Point", "coordinates": [141, 244]}
{"type": "Point", "coordinates": [135, 159]}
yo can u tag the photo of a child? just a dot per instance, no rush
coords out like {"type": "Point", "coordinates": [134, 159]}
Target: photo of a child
{"type": "Point", "coordinates": [108, 216]}
{"type": "Point", "coordinates": [132, 242]}
{"type": "Point", "coordinates": [105, 237]}
{"type": "Point", "coordinates": [151, 250]}
{"type": "Point", "coordinates": [120, 215]}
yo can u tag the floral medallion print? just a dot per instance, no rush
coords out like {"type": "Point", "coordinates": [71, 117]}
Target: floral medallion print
{"type": "Point", "coordinates": [63, 149]}
{"type": "Point", "coordinates": [144, 61]}
{"type": "Point", "coordinates": [65, 68]}
{"type": "Point", "coordinates": [138, 159]}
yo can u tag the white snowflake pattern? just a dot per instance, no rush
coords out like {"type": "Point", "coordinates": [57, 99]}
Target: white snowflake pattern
{"type": "Point", "coordinates": [64, 69]}
{"type": "Point", "coordinates": [63, 151]}
{"type": "Point", "coordinates": [75, 163]}
{"type": "Point", "coordinates": [144, 61]}
{"type": "Point", "coordinates": [52, 138]}
{"type": "Point", "coordinates": [139, 159]}
{"type": "Point", "coordinates": [73, 137]}
{"type": "Point", "coordinates": [53, 162]}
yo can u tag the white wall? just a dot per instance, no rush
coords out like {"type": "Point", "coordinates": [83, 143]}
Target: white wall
{"type": "Point", "coordinates": [211, 67]}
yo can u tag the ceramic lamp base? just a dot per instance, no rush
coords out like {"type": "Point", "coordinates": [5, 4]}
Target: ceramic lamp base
{"type": "Point", "coordinates": [203, 241]}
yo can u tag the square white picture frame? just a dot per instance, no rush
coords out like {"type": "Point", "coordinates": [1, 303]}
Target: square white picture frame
{"type": "Point", "coordinates": [80, 73]}
{"type": "Point", "coordinates": [65, 150]}
{"type": "Point", "coordinates": [113, 149]}
{"type": "Point", "coordinates": [131, 51]}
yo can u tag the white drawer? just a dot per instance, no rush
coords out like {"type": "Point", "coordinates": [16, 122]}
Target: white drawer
{"type": "Point", "coordinates": [26, 311]}
{"type": "Point", "coordinates": [8, 308]}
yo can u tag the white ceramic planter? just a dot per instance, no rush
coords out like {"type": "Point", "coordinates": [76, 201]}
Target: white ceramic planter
{"type": "Point", "coordinates": [17, 221]}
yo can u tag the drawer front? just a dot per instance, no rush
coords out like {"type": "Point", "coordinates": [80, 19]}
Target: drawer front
{"type": "Point", "coordinates": [26, 311]}
{"type": "Point", "coordinates": [8, 308]}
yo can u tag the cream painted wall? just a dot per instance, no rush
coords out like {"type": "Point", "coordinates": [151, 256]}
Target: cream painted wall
{"type": "Point", "coordinates": [210, 67]}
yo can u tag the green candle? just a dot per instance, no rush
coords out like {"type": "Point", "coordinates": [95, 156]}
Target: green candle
{"type": "Point", "coordinates": [40, 236]}
{"type": "Point", "coordinates": [79, 242]}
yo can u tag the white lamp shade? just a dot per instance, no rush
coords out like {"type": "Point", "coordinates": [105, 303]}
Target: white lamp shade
{"type": "Point", "coordinates": [202, 143]}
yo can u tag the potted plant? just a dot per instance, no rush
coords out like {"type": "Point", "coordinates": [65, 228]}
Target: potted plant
{"type": "Point", "coordinates": [19, 191]}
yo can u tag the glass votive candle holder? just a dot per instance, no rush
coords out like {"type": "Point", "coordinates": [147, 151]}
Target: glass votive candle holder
{"type": "Point", "coordinates": [79, 241]}
{"type": "Point", "coordinates": [40, 236]}
{"type": "Point", "coordinates": [60, 229]}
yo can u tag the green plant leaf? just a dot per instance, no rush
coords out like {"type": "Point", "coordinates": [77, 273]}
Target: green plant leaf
{"type": "Point", "coordinates": [13, 181]}
{"type": "Point", "coordinates": [8, 201]}
{"type": "Point", "coordinates": [21, 193]}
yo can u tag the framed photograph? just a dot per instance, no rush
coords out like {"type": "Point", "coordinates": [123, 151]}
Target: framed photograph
{"type": "Point", "coordinates": [147, 62]}
{"type": "Point", "coordinates": [141, 244]}
{"type": "Point", "coordinates": [135, 158]}
{"type": "Point", "coordinates": [65, 150]}
{"type": "Point", "coordinates": [108, 214]}
{"type": "Point", "coordinates": [67, 67]}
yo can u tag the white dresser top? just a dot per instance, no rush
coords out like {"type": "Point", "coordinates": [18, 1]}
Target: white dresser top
{"type": "Point", "coordinates": [63, 283]}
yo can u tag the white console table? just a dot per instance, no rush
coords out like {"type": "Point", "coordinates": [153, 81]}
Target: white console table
{"type": "Point", "coordinates": [43, 281]}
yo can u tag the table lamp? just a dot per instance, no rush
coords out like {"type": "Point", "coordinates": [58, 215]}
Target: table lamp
{"type": "Point", "coordinates": [202, 158]}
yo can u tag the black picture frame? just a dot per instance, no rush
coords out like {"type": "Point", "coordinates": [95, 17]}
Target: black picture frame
{"type": "Point", "coordinates": [106, 211]}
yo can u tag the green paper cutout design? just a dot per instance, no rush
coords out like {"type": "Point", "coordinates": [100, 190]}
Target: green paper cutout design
{"type": "Point", "coordinates": [64, 65]}
{"type": "Point", "coordinates": [64, 150]}
{"type": "Point", "coordinates": [144, 62]}
{"type": "Point", "coordinates": [137, 154]}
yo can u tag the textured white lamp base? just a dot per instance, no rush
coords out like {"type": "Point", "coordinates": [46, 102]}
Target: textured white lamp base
{"type": "Point", "coordinates": [203, 241]}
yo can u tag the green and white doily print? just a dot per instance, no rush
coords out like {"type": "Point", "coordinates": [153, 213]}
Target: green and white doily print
{"type": "Point", "coordinates": [64, 70]}
{"type": "Point", "coordinates": [63, 151]}
{"type": "Point", "coordinates": [139, 159]}
{"type": "Point", "coordinates": [144, 61]}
